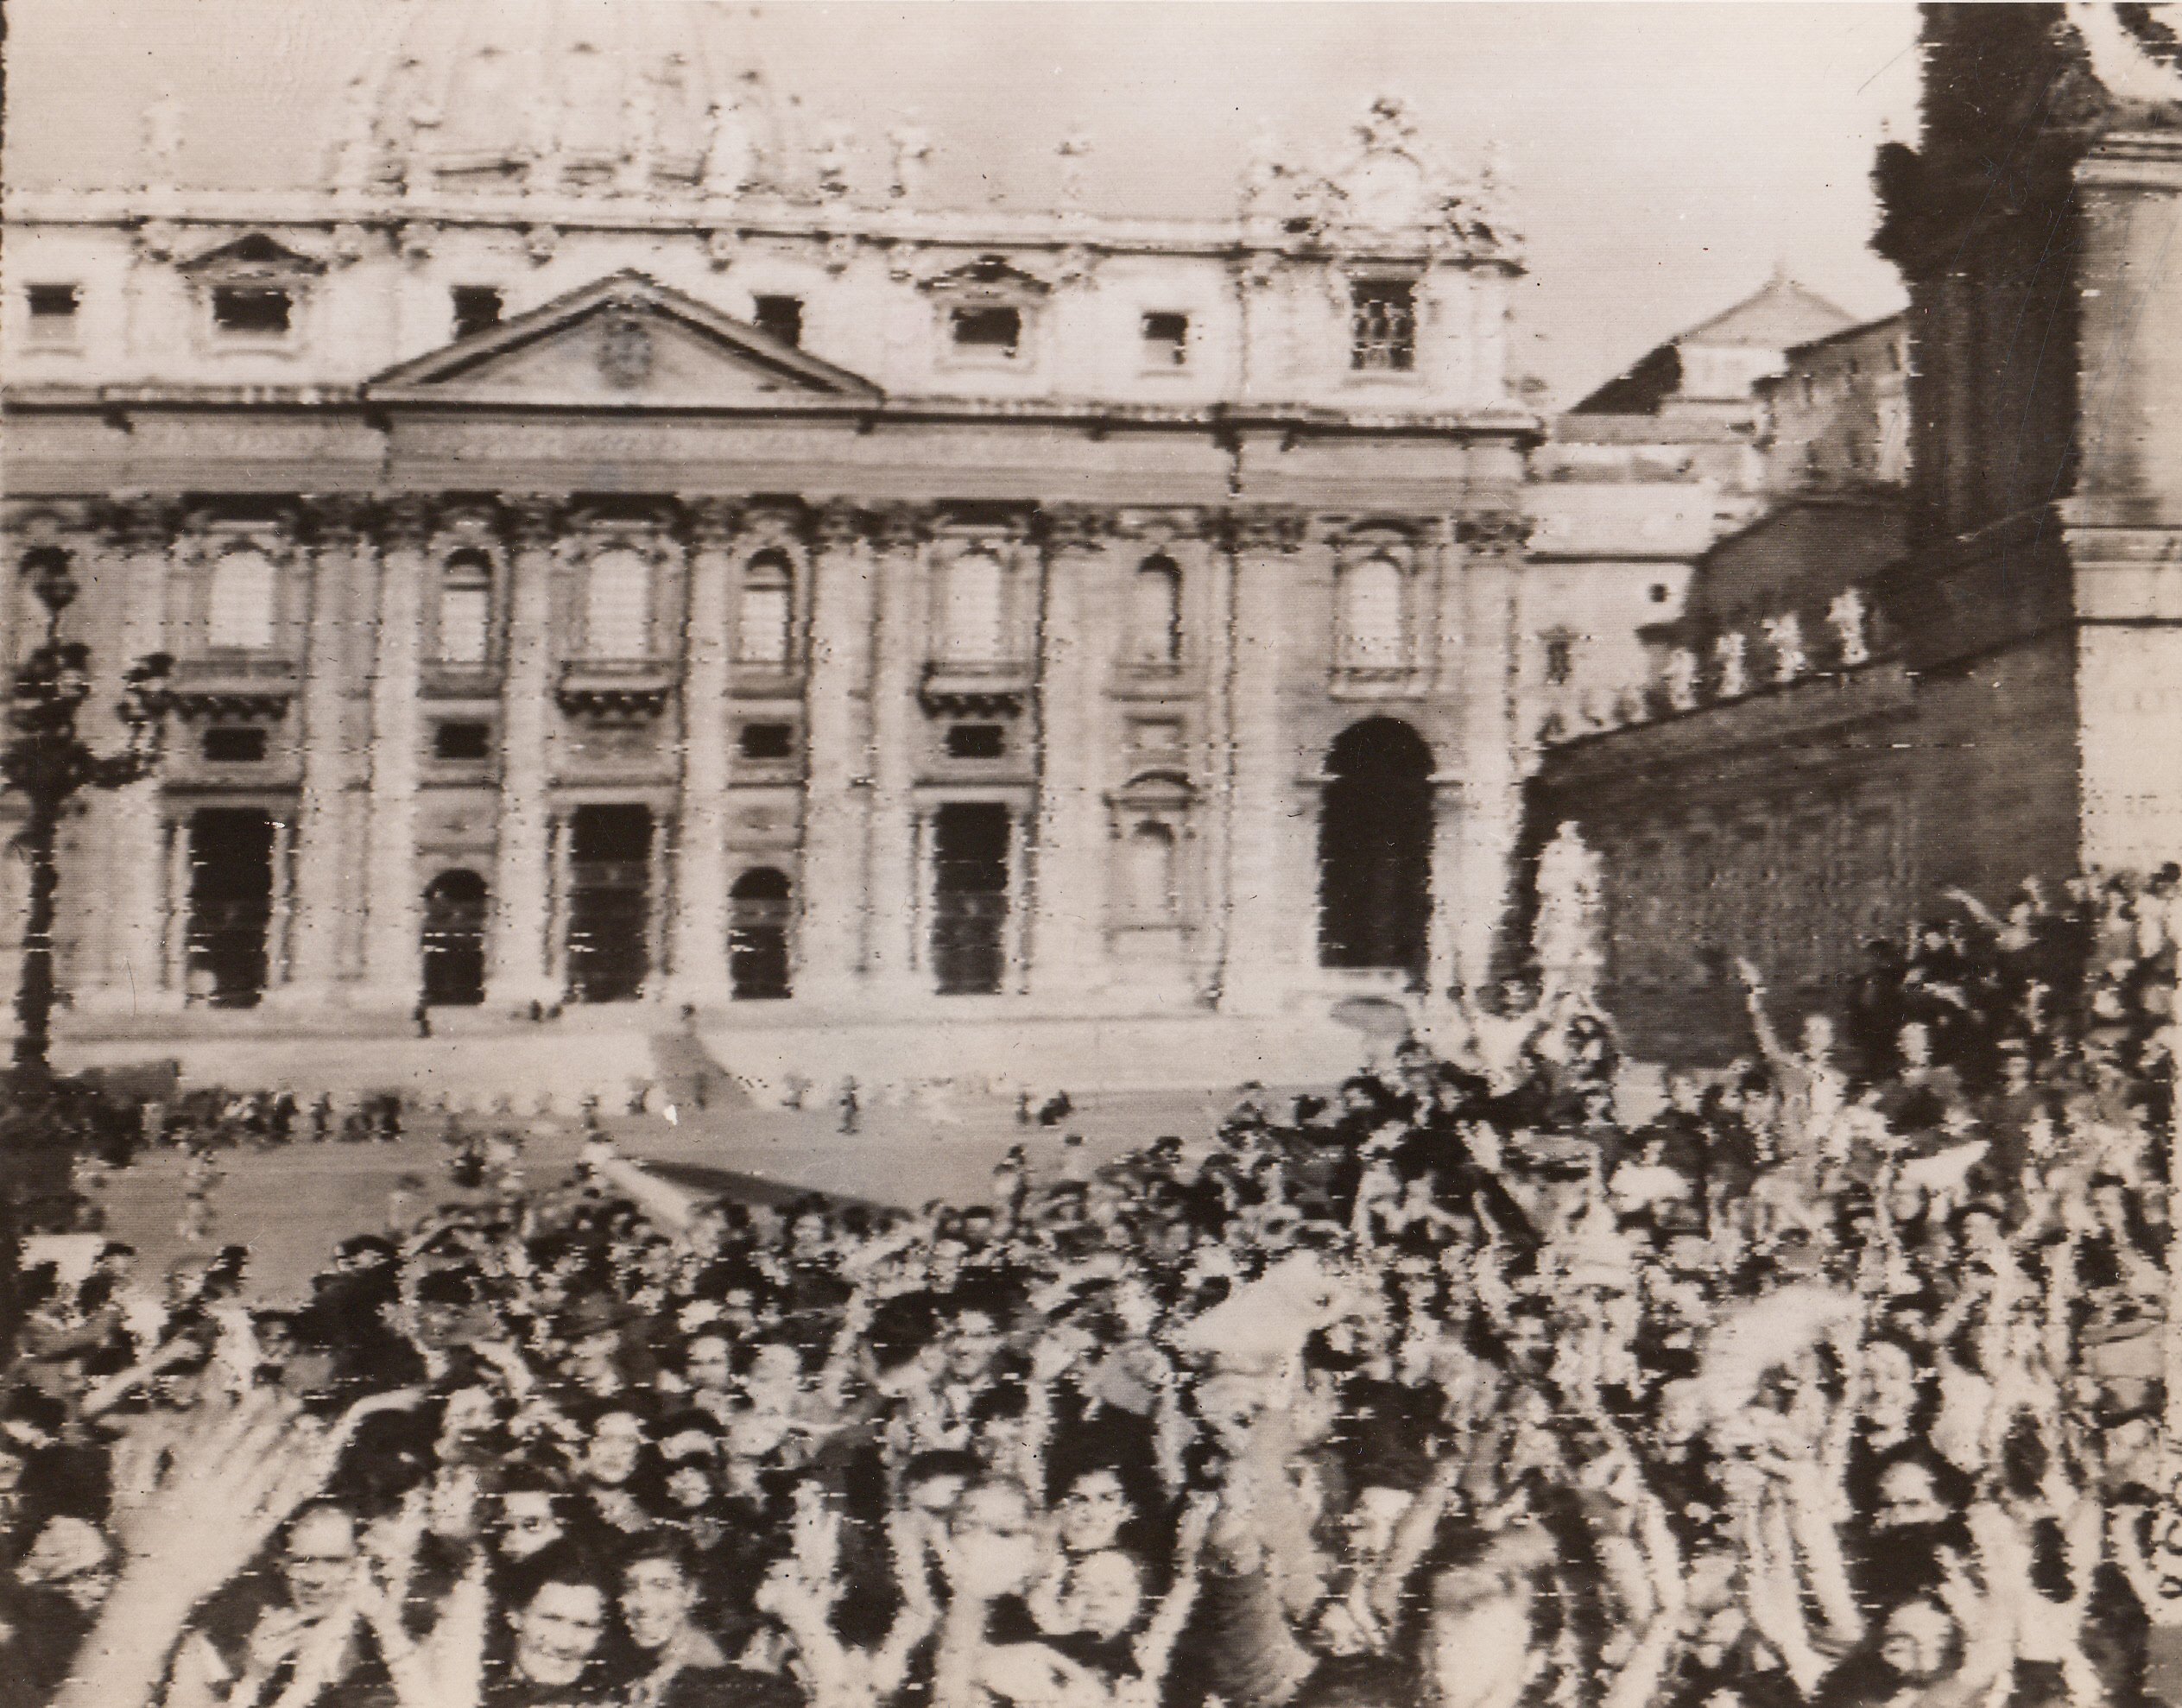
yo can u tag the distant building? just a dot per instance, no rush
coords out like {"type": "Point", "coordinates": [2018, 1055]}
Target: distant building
{"type": "Point", "coordinates": [1632, 486]}
{"type": "Point", "coordinates": [1951, 652]}
{"type": "Point", "coordinates": [618, 549]}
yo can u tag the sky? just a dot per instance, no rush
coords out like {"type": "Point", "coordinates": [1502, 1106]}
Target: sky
{"type": "Point", "coordinates": [1665, 157]}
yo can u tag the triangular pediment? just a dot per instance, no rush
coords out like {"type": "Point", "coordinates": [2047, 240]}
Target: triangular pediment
{"type": "Point", "coordinates": [251, 256]}
{"type": "Point", "coordinates": [626, 340]}
{"type": "Point", "coordinates": [988, 275]}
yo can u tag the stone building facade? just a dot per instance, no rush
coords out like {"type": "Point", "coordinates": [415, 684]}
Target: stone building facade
{"type": "Point", "coordinates": [1952, 657]}
{"type": "Point", "coordinates": [609, 555]}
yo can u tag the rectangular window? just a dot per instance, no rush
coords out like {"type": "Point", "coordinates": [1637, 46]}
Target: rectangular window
{"type": "Point", "coordinates": [238, 745]}
{"type": "Point", "coordinates": [976, 741]}
{"type": "Point", "coordinates": [52, 304]}
{"type": "Point", "coordinates": [1166, 340]}
{"type": "Point", "coordinates": [1560, 659]}
{"type": "Point", "coordinates": [477, 308]}
{"type": "Point", "coordinates": [766, 741]}
{"type": "Point", "coordinates": [258, 310]}
{"type": "Point", "coordinates": [1382, 325]}
{"type": "Point", "coordinates": [780, 317]}
{"type": "Point", "coordinates": [462, 741]}
{"type": "Point", "coordinates": [993, 332]}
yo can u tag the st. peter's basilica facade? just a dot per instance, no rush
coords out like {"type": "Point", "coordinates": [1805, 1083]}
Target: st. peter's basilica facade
{"type": "Point", "coordinates": [613, 550]}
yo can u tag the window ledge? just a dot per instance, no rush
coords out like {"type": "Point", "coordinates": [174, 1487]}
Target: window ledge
{"type": "Point", "coordinates": [1373, 682]}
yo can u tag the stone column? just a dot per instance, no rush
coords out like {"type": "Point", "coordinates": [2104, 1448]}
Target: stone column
{"type": "Point", "coordinates": [174, 909]}
{"type": "Point", "coordinates": [700, 924]}
{"type": "Point", "coordinates": [1261, 924]}
{"type": "Point", "coordinates": [393, 957]}
{"type": "Point", "coordinates": [521, 960]}
{"type": "Point", "coordinates": [336, 757]}
{"type": "Point", "coordinates": [838, 735]}
{"type": "Point", "coordinates": [279, 941]}
{"type": "Point", "coordinates": [1474, 892]}
{"type": "Point", "coordinates": [133, 979]}
{"type": "Point", "coordinates": [1065, 833]}
{"type": "Point", "coordinates": [897, 560]}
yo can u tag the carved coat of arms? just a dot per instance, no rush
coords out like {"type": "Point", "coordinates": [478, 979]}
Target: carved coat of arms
{"type": "Point", "coordinates": [625, 351]}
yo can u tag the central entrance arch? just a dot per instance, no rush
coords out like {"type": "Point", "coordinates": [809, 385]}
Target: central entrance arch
{"type": "Point", "coordinates": [1374, 849]}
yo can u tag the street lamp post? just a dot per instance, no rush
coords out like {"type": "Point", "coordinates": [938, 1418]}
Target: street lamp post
{"type": "Point", "coordinates": [49, 763]}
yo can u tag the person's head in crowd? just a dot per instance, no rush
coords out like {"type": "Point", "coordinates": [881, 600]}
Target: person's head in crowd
{"type": "Point", "coordinates": [1910, 1493]}
{"type": "Point", "coordinates": [559, 1613]}
{"type": "Point", "coordinates": [932, 1482]}
{"type": "Point", "coordinates": [363, 1253]}
{"type": "Point", "coordinates": [993, 1536]}
{"type": "Point", "coordinates": [318, 1558]}
{"type": "Point", "coordinates": [614, 1444]}
{"type": "Point", "coordinates": [470, 1419]}
{"type": "Point", "coordinates": [455, 1307]}
{"type": "Point", "coordinates": [689, 1449]}
{"type": "Point", "coordinates": [1920, 1644]}
{"type": "Point", "coordinates": [659, 1591]}
{"type": "Point", "coordinates": [708, 1363]}
{"type": "Point", "coordinates": [71, 1557]}
{"type": "Point", "coordinates": [1106, 1594]}
{"type": "Point", "coordinates": [1094, 1510]}
{"type": "Point", "coordinates": [530, 1512]}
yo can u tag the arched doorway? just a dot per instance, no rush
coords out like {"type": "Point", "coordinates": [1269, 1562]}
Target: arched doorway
{"type": "Point", "coordinates": [757, 935]}
{"type": "Point", "coordinates": [454, 940]}
{"type": "Point", "coordinates": [231, 904]}
{"type": "Point", "coordinates": [1374, 849]}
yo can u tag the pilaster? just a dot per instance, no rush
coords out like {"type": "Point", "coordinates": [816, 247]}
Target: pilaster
{"type": "Point", "coordinates": [698, 949]}
{"type": "Point", "coordinates": [898, 539]}
{"type": "Point", "coordinates": [136, 540]}
{"type": "Point", "coordinates": [837, 733]}
{"type": "Point", "coordinates": [1260, 913]}
{"type": "Point", "coordinates": [336, 761]}
{"type": "Point", "coordinates": [393, 955]}
{"type": "Point", "coordinates": [1068, 834]}
{"type": "Point", "coordinates": [1470, 897]}
{"type": "Point", "coordinates": [519, 956]}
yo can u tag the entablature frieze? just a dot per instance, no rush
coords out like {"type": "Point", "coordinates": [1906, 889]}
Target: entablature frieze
{"type": "Point", "coordinates": [1264, 528]}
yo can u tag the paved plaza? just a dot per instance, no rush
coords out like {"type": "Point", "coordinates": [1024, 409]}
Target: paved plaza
{"type": "Point", "coordinates": [290, 1204]}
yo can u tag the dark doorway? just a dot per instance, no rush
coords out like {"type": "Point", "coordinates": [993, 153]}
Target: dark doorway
{"type": "Point", "coordinates": [1375, 850]}
{"type": "Point", "coordinates": [609, 899]}
{"type": "Point", "coordinates": [970, 898]}
{"type": "Point", "coordinates": [454, 940]}
{"type": "Point", "coordinates": [757, 935]}
{"type": "Point", "coordinates": [231, 904]}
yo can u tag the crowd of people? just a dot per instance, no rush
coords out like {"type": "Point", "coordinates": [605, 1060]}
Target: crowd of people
{"type": "Point", "coordinates": [1835, 1378]}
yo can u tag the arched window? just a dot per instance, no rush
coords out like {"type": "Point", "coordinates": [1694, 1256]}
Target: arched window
{"type": "Point", "coordinates": [1155, 612]}
{"type": "Point", "coordinates": [238, 605]}
{"type": "Point", "coordinates": [618, 612]}
{"type": "Point", "coordinates": [1373, 633]}
{"type": "Point", "coordinates": [1152, 895]}
{"type": "Point", "coordinates": [465, 606]}
{"type": "Point", "coordinates": [970, 610]}
{"type": "Point", "coordinates": [766, 609]}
